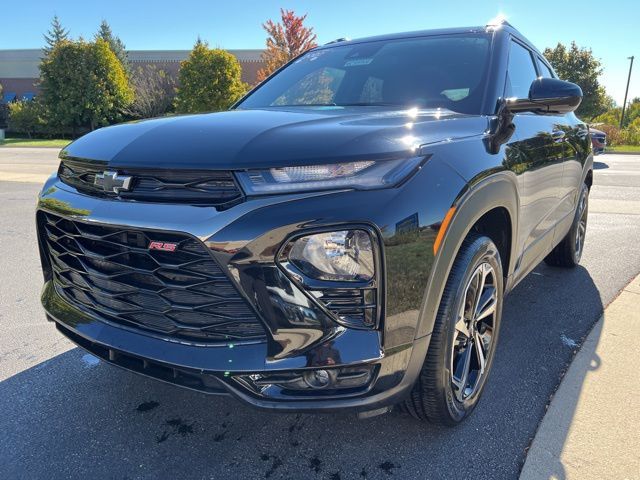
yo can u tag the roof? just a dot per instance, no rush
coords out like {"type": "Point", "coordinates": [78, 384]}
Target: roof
{"type": "Point", "coordinates": [412, 34]}
{"type": "Point", "coordinates": [501, 25]}
{"type": "Point", "coordinates": [23, 63]}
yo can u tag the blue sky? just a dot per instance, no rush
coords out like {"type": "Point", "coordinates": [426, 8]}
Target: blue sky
{"type": "Point", "coordinates": [611, 29]}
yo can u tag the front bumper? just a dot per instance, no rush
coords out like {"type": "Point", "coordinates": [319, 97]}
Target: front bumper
{"type": "Point", "coordinates": [244, 239]}
{"type": "Point", "coordinates": [198, 367]}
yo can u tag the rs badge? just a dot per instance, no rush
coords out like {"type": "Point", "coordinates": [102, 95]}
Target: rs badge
{"type": "Point", "coordinates": [163, 246]}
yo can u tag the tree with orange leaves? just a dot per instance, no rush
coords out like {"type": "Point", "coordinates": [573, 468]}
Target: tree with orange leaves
{"type": "Point", "coordinates": [286, 41]}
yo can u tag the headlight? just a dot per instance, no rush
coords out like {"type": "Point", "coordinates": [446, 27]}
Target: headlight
{"type": "Point", "coordinates": [364, 175]}
{"type": "Point", "coordinates": [345, 255]}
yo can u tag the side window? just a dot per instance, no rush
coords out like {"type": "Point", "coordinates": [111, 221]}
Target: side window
{"type": "Point", "coordinates": [544, 70]}
{"type": "Point", "coordinates": [521, 72]}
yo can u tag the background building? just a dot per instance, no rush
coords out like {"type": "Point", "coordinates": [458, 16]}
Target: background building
{"type": "Point", "coordinates": [19, 71]}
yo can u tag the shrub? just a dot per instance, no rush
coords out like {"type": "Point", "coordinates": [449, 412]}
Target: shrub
{"type": "Point", "coordinates": [209, 80]}
{"type": "Point", "coordinates": [631, 134]}
{"type": "Point", "coordinates": [83, 84]}
{"type": "Point", "coordinates": [4, 111]}
{"type": "Point", "coordinates": [154, 92]}
{"type": "Point", "coordinates": [626, 136]}
{"type": "Point", "coordinates": [4, 114]}
{"type": "Point", "coordinates": [26, 117]}
{"type": "Point", "coordinates": [614, 135]}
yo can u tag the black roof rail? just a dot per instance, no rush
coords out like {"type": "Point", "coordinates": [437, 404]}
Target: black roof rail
{"type": "Point", "coordinates": [497, 21]}
{"type": "Point", "coordinates": [337, 40]}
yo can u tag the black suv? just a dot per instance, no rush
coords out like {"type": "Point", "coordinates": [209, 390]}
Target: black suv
{"type": "Point", "coordinates": [343, 237]}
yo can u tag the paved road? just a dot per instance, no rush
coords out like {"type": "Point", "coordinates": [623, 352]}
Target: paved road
{"type": "Point", "coordinates": [66, 415]}
{"type": "Point", "coordinates": [27, 164]}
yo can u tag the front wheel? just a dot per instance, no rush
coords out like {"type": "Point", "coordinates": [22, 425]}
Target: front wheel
{"type": "Point", "coordinates": [464, 336]}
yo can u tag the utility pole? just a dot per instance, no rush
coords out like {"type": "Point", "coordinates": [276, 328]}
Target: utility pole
{"type": "Point", "coordinates": [626, 92]}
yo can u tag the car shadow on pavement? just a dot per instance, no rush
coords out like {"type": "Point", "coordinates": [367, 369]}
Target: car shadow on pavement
{"type": "Point", "coordinates": [600, 165]}
{"type": "Point", "coordinates": [74, 416]}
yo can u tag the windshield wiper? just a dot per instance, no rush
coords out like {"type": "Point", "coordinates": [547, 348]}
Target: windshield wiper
{"type": "Point", "coordinates": [369, 104]}
{"type": "Point", "coordinates": [307, 105]}
{"type": "Point", "coordinates": [350, 104]}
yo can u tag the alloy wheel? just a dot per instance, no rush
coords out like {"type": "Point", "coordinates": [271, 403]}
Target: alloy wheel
{"type": "Point", "coordinates": [473, 334]}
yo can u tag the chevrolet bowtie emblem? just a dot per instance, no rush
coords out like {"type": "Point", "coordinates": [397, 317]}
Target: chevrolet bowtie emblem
{"type": "Point", "coordinates": [112, 182]}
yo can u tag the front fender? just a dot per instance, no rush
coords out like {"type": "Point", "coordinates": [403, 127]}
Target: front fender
{"type": "Point", "coordinates": [498, 190]}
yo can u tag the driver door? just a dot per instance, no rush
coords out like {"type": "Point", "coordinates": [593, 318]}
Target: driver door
{"type": "Point", "coordinates": [539, 142]}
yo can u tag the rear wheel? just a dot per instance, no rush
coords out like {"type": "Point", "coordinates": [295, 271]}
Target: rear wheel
{"type": "Point", "coordinates": [568, 252]}
{"type": "Point", "coordinates": [464, 337]}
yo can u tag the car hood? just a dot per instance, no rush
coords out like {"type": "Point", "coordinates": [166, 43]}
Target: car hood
{"type": "Point", "coordinates": [276, 137]}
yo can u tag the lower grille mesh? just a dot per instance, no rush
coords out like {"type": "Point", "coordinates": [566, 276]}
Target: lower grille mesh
{"type": "Point", "coordinates": [110, 273]}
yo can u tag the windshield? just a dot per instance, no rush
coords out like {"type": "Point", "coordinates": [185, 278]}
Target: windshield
{"type": "Point", "coordinates": [444, 71]}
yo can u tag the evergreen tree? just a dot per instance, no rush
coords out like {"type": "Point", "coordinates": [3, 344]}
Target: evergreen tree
{"type": "Point", "coordinates": [55, 35]}
{"type": "Point", "coordinates": [117, 46]}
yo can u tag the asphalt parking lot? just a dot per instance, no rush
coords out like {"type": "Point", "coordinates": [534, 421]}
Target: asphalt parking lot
{"type": "Point", "coordinates": [67, 415]}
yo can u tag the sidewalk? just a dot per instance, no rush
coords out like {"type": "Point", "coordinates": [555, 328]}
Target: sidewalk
{"type": "Point", "coordinates": [592, 427]}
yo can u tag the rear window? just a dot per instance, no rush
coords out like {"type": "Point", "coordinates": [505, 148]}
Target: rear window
{"type": "Point", "coordinates": [440, 71]}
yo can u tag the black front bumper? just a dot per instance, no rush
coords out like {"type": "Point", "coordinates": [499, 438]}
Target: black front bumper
{"type": "Point", "coordinates": [198, 367]}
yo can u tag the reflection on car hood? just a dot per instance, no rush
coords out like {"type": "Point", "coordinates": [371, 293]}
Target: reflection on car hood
{"type": "Point", "coordinates": [240, 139]}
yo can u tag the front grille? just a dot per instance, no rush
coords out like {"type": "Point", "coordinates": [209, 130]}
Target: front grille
{"type": "Point", "coordinates": [201, 187]}
{"type": "Point", "coordinates": [110, 273]}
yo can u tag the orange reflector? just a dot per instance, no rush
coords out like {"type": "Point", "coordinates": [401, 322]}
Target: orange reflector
{"type": "Point", "coordinates": [443, 229]}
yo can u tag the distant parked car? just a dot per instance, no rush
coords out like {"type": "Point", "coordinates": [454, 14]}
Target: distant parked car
{"type": "Point", "coordinates": [598, 140]}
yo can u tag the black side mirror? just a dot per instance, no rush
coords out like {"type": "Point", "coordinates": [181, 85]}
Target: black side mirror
{"type": "Point", "coordinates": [548, 95]}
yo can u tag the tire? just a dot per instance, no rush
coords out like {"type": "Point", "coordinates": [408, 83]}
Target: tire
{"type": "Point", "coordinates": [443, 394]}
{"type": "Point", "coordinates": [568, 252]}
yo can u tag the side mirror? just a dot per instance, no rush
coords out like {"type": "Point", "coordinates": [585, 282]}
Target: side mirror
{"type": "Point", "coordinates": [548, 95]}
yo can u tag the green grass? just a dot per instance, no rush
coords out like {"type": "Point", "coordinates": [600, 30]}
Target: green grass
{"type": "Point", "coordinates": [34, 142]}
{"type": "Point", "coordinates": [624, 148]}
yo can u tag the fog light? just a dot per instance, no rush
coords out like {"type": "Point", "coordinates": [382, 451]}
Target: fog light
{"type": "Point", "coordinates": [303, 382]}
{"type": "Point", "coordinates": [318, 379]}
{"type": "Point", "coordinates": [345, 255]}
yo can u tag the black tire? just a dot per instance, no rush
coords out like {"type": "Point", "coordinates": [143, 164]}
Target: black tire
{"type": "Point", "coordinates": [434, 396]}
{"type": "Point", "coordinates": [568, 252]}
